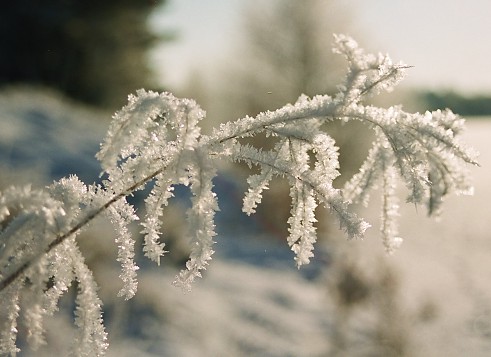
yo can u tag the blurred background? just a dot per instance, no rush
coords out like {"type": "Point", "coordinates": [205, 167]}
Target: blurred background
{"type": "Point", "coordinates": [66, 66]}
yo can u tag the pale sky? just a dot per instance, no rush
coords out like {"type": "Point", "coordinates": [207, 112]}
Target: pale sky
{"type": "Point", "coordinates": [447, 41]}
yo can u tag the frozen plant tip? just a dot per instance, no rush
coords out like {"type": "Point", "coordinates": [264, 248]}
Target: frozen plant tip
{"type": "Point", "coordinates": [156, 138]}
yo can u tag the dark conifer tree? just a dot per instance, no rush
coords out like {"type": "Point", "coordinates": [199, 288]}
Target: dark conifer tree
{"type": "Point", "coordinates": [93, 51]}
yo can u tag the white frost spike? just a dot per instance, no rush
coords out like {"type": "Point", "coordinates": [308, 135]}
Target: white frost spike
{"type": "Point", "coordinates": [326, 152]}
{"type": "Point", "coordinates": [390, 211]}
{"type": "Point", "coordinates": [357, 189]}
{"type": "Point", "coordinates": [121, 214]}
{"type": "Point", "coordinates": [92, 338]}
{"type": "Point", "coordinates": [302, 231]}
{"type": "Point", "coordinates": [9, 312]}
{"type": "Point", "coordinates": [60, 269]}
{"type": "Point", "coordinates": [154, 204]}
{"type": "Point", "coordinates": [259, 183]}
{"type": "Point", "coordinates": [35, 312]}
{"type": "Point", "coordinates": [200, 219]}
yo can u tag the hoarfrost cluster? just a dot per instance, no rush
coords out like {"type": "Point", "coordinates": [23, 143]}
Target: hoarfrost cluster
{"type": "Point", "coordinates": [156, 139]}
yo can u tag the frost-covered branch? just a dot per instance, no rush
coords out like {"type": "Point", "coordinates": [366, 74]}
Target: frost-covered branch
{"type": "Point", "coordinates": [156, 139]}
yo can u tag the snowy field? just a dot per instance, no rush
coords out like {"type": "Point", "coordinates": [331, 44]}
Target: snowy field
{"type": "Point", "coordinates": [251, 305]}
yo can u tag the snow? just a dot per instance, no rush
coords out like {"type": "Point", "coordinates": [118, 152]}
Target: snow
{"type": "Point", "coordinates": [247, 305]}
{"type": "Point", "coordinates": [44, 137]}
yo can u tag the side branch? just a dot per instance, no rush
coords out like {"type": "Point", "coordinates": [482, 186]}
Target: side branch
{"type": "Point", "coordinates": [305, 109]}
{"type": "Point", "coordinates": [330, 197]}
{"type": "Point", "coordinates": [62, 237]}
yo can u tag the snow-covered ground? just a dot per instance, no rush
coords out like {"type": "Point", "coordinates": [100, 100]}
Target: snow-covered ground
{"type": "Point", "coordinates": [252, 301]}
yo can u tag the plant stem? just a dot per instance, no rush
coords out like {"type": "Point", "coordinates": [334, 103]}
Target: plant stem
{"type": "Point", "coordinates": [63, 236]}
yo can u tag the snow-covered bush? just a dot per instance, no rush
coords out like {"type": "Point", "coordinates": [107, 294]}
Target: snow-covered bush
{"type": "Point", "coordinates": [155, 142]}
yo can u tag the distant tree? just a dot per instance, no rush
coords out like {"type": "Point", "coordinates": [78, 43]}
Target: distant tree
{"type": "Point", "coordinates": [287, 52]}
{"type": "Point", "coordinates": [476, 105]}
{"type": "Point", "coordinates": [93, 51]}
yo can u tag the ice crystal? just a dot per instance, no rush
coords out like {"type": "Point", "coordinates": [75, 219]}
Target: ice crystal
{"type": "Point", "coordinates": [156, 139]}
